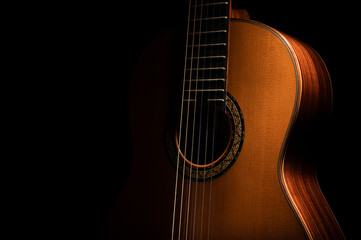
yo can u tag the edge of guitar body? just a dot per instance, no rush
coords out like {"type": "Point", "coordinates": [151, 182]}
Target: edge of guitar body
{"type": "Point", "coordinates": [296, 170]}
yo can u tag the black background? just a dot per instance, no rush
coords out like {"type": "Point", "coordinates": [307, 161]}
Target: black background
{"type": "Point", "coordinates": [85, 128]}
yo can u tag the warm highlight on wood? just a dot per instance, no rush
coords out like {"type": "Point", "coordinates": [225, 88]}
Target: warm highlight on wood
{"type": "Point", "coordinates": [271, 192]}
{"type": "Point", "coordinates": [298, 169]}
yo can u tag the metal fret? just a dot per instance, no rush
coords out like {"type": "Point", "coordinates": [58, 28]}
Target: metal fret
{"type": "Point", "coordinates": [209, 100]}
{"type": "Point", "coordinates": [210, 18]}
{"type": "Point", "coordinates": [205, 90]}
{"type": "Point", "coordinates": [208, 32]}
{"type": "Point", "coordinates": [209, 68]}
{"type": "Point", "coordinates": [206, 80]}
{"type": "Point", "coordinates": [206, 57]}
{"type": "Point", "coordinates": [208, 45]}
{"type": "Point", "coordinates": [210, 4]}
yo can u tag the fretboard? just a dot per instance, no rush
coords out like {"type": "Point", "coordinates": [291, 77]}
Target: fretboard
{"type": "Point", "coordinates": [206, 56]}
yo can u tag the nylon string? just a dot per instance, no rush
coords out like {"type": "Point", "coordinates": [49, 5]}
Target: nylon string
{"type": "Point", "coordinates": [194, 116]}
{"type": "Point", "coordinates": [209, 114]}
{"type": "Point", "coordinates": [212, 147]}
{"type": "Point", "coordinates": [180, 125]}
{"type": "Point", "coordinates": [187, 120]}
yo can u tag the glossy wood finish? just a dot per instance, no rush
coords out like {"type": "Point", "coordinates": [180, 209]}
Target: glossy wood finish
{"type": "Point", "coordinates": [298, 171]}
{"type": "Point", "coordinates": [269, 193]}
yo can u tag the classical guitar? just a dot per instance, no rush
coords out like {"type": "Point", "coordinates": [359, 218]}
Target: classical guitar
{"type": "Point", "coordinates": [220, 116]}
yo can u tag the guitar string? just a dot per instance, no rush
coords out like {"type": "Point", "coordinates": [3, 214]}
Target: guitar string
{"type": "Point", "coordinates": [180, 126]}
{"type": "Point", "coordinates": [194, 121]}
{"type": "Point", "coordinates": [205, 153]}
{"type": "Point", "coordinates": [200, 127]}
{"type": "Point", "coordinates": [200, 120]}
{"type": "Point", "coordinates": [206, 133]}
{"type": "Point", "coordinates": [212, 144]}
{"type": "Point", "coordinates": [180, 131]}
{"type": "Point", "coordinates": [195, 107]}
{"type": "Point", "coordinates": [187, 121]}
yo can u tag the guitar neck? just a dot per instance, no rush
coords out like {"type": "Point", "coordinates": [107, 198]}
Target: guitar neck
{"type": "Point", "coordinates": [206, 52]}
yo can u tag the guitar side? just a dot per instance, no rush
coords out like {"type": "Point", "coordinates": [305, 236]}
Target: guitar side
{"type": "Point", "coordinates": [298, 167]}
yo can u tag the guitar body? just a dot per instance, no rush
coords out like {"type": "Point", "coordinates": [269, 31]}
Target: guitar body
{"type": "Point", "coordinates": [270, 191]}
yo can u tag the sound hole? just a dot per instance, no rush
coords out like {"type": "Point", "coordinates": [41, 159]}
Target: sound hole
{"type": "Point", "coordinates": [205, 135]}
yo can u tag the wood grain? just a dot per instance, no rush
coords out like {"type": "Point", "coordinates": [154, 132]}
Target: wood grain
{"type": "Point", "coordinates": [299, 173]}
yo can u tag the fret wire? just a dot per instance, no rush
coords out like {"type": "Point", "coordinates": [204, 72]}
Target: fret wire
{"type": "Point", "coordinates": [205, 90]}
{"type": "Point", "coordinates": [205, 57]}
{"type": "Point", "coordinates": [207, 68]}
{"type": "Point", "coordinates": [210, 4]}
{"type": "Point", "coordinates": [208, 45]}
{"type": "Point", "coordinates": [209, 100]}
{"type": "Point", "coordinates": [210, 18]}
{"type": "Point", "coordinates": [206, 79]}
{"type": "Point", "coordinates": [209, 32]}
